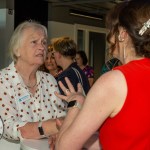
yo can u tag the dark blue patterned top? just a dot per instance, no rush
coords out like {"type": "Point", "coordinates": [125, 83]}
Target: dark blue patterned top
{"type": "Point", "coordinates": [70, 73]}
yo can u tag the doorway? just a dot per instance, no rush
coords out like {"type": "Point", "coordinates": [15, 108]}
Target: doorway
{"type": "Point", "coordinates": [93, 41]}
{"type": "Point", "coordinates": [97, 46]}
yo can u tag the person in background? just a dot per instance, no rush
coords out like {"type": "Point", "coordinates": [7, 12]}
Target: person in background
{"type": "Point", "coordinates": [50, 63]}
{"type": "Point", "coordinates": [82, 61]}
{"type": "Point", "coordinates": [110, 64]}
{"type": "Point", "coordinates": [64, 51]}
{"type": "Point", "coordinates": [27, 98]}
{"type": "Point", "coordinates": [118, 102]}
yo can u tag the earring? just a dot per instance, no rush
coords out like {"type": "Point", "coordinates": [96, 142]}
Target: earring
{"type": "Point", "coordinates": [120, 39]}
{"type": "Point", "coordinates": [124, 52]}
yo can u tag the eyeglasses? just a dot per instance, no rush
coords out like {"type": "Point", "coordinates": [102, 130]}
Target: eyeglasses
{"type": "Point", "coordinates": [53, 52]}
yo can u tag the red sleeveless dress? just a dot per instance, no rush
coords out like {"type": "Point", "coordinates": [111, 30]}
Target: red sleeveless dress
{"type": "Point", "coordinates": [130, 128]}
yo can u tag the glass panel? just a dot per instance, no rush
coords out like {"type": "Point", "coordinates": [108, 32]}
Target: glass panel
{"type": "Point", "coordinates": [81, 40]}
{"type": "Point", "coordinates": [97, 46]}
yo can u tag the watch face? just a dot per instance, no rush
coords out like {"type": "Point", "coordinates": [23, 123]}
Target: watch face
{"type": "Point", "coordinates": [71, 103]}
{"type": "Point", "coordinates": [1, 128]}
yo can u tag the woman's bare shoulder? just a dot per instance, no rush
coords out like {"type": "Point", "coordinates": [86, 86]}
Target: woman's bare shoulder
{"type": "Point", "coordinates": [110, 91]}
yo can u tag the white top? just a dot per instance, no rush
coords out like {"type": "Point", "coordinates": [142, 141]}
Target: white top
{"type": "Point", "coordinates": [19, 106]}
{"type": "Point", "coordinates": [28, 144]}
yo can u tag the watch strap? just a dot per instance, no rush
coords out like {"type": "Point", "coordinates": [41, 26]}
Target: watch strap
{"type": "Point", "coordinates": [41, 131]}
{"type": "Point", "coordinates": [74, 103]}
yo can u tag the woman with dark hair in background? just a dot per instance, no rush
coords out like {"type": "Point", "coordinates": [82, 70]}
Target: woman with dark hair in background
{"type": "Point", "coordinates": [82, 61]}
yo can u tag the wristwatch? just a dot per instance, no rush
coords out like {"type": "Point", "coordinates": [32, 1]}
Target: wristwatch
{"type": "Point", "coordinates": [41, 131]}
{"type": "Point", "coordinates": [74, 103]}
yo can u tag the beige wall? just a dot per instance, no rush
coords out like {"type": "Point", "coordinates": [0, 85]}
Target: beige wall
{"type": "Point", "coordinates": [57, 29]}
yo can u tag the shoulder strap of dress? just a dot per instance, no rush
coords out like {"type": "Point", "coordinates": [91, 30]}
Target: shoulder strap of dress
{"type": "Point", "coordinates": [79, 78]}
{"type": "Point", "coordinates": [78, 75]}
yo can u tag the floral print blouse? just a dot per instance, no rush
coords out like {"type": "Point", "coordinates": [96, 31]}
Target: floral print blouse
{"type": "Point", "coordinates": [89, 71]}
{"type": "Point", "coordinates": [18, 106]}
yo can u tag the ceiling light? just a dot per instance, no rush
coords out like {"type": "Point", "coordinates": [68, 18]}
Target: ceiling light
{"type": "Point", "coordinates": [85, 14]}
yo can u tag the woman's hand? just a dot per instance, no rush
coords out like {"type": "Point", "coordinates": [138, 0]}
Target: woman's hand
{"type": "Point", "coordinates": [71, 94]}
{"type": "Point", "coordinates": [52, 138]}
{"type": "Point", "coordinates": [59, 123]}
{"type": "Point", "coordinates": [52, 141]}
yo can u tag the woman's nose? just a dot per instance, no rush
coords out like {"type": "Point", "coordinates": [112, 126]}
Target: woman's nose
{"type": "Point", "coordinates": [42, 46]}
{"type": "Point", "coordinates": [49, 60]}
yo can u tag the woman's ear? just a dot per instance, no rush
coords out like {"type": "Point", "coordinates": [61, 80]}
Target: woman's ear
{"type": "Point", "coordinates": [59, 55]}
{"type": "Point", "coordinates": [17, 53]}
{"type": "Point", "coordinates": [122, 35]}
{"type": "Point", "coordinates": [120, 38]}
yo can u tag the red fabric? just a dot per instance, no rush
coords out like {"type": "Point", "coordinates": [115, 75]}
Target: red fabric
{"type": "Point", "coordinates": [130, 128]}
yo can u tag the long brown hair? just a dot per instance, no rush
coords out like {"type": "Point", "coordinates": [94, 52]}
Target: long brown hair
{"type": "Point", "coordinates": [131, 15]}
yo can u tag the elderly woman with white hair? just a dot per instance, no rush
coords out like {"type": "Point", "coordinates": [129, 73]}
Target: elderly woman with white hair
{"type": "Point", "coordinates": [27, 98]}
